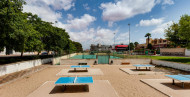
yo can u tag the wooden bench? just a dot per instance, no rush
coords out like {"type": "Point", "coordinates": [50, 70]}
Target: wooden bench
{"type": "Point", "coordinates": [82, 63]}
{"type": "Point", "coordinates": [125, 63]}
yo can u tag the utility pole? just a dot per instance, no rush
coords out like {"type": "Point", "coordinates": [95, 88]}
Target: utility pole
{"type": "Point", "coordinates": [129, 39]}
{"type": "Point", "coordinates": [114, 43]}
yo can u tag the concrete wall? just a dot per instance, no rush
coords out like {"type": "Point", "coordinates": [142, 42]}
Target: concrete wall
{"type": "Point", "coordinates": [115, 61]}
{"type": "Point", "coordinates": [187, 52]}
{"type": "Point", "coordinates": [172, 51]}
{"type": "Point", "coordinates": [76, 61]}
{"type": "Point", "coordinates": [180, 66]}
{"type": "Point", "coordinates": [131, 61]}
{"type": "Point", "coordinates": [17, 53]}
{"type": "Point", "coordinates": [57, 59]}
{"type": "Point", "coordinates": [15, 67]}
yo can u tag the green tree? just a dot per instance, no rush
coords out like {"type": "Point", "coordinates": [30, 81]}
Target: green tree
{"type": "Point", "coordinates": [9, 11]}
{"type": "Point", "coordinates": [132, 46]}
{"type": "Point", "coordinates": [26, 38]}
{"type": "Point", "coordinates": [172, 34]}
{"type": "Point", "coordinates": [70, 47]}
{"type": "Point", "coordinates": [148, 35]}
{"type": "Point", "coordinates": [78, 46]}
{"type": "Point", "coordinates": [184, 29]}
{"type": "Point", "coordinates": [136, 43]}
{"type": "Point", "coordinates": [53, 38]}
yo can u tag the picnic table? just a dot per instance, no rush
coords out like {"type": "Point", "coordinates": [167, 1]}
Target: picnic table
{"type": "Point", "coordinates": [181, 78]}
{"type": "Point", "coordinates": [143, 66]}
{"type": "Point", "coordinates": [80, 66]}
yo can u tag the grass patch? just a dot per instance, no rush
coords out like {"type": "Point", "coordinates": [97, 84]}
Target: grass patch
{"type": "Point", "coordinates": [185, 60]}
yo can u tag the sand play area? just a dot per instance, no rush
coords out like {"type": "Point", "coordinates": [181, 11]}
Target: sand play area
{"type": "Point", "coordinates": [113, 83]}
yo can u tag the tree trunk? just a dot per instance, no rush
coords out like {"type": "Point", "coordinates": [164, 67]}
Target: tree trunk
{"type": "Point", "coordinates": [7, 50]}
{"type": "Point", "coordinates": [22, 54]}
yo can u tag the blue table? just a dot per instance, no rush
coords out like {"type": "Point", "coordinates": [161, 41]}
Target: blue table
{"type": "Point", "coordinates": [80, 66]}
{"type": "Point", "coordinates": [180, 77]}
{"type": "Point", "coordinates": [144, 66]}
{"type": "Point", "coordinates": [74, 81]}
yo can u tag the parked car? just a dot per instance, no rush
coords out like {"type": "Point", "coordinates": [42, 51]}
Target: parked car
{"type": "Point", "coordinates": [44, 53]}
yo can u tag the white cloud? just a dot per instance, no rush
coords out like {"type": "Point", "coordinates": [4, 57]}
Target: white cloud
{"type": "Point", "coordinates": [80, 23]}
{"type": "Point", "coordinates": [94, 10]}
{"type": "Point", "coordinates": [82, 36]}
{"type": "Point", "coordinates": [110, 24]}
{"type": "Point", "coordinates": [86, 6]}
{"type": "Point", "coordinates": [99, 35]}
{"type": "Point", "coordinates": [142, 40]}
{"type": "Point", "coordinates": [151, 22]}
{"type": "Point", "coordinates": [44, 11]}
{"type": "Point", "coordinates": [47, 9]}
{"type": "Point", "coordinates": [122, 38]}
{"type": "Point", "coordinates": [56, 4]}
{"type": "Point", "coordinates": [167, 2]}
{"type": "Point", "coordinates": [158, 32]}
{"type": "Point", "coordinates": [123, 9]}
{"type": "Point", "coordinates": [69, 16]}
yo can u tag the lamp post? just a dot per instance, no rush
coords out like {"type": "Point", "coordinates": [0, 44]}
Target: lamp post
{"type": "Point", "coordinates": [129, 39]}
{"type": "Point", "coordinates": [114, 43]}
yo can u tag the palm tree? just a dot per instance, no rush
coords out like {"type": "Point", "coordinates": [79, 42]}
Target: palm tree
{"type": "Point", "coordinates": [148, 35]}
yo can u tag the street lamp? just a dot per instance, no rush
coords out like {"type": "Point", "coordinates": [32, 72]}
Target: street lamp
{"type": "Point", "coordinates": [129, 38]}
{"type": "Point", "coordinates": [114, 42]}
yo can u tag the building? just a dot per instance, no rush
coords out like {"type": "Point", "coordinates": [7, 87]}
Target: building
{"type": "Point", "coordinates": [100, 47]}
{"type": "Point", "coordinates": [158, 43]}
{"type": "Point", "coordinates": [121, 48]}
{"type": "Point", "coordinates": [140, 46]}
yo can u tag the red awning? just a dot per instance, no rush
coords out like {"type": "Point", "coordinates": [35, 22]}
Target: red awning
{"type": "Point", "coordinates": [121, 45]}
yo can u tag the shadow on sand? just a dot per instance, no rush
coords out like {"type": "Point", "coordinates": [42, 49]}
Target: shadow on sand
{"type": "Point", "coordinates": [70, 89]}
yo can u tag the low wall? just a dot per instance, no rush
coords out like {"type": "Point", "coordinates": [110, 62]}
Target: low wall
{"type": "Point", "coordinates": [115, 61]}
{"type": "Point", "coordinates": [18, 66]}
{"type": "Point", "coordinates": [15, 67]}
{"type": "Point", "coordinates": [180, 66]}
{"type": "Point", "coordinates": [131, 61]}
{"type": "Point", "coordinates": [187, 52]}
{"type": "Point", "coordinates": [76, 61]}
{"type": "Point", "coordinates": [172, 51]}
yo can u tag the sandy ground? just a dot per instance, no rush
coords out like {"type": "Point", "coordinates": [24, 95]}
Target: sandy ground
{"type": "Point", "coordinates": [165, 86]}
{"type": "Point", "coordinates": [139, 72]}
{"type": "Point", "coordinates": [125, 85]}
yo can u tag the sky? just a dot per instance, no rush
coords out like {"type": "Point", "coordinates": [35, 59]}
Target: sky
{"type": "Point", "coordinates": [102, 21]}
